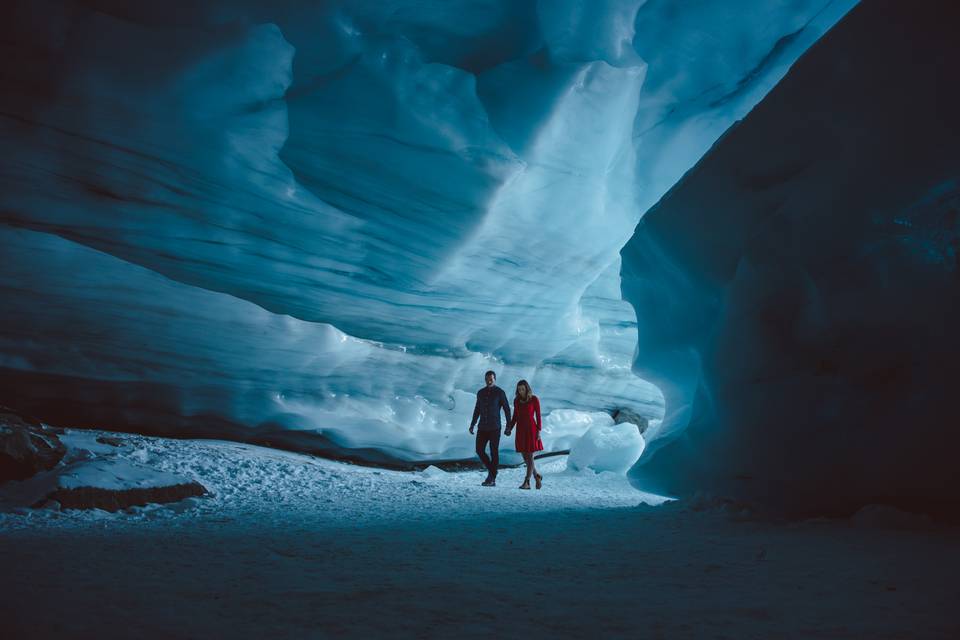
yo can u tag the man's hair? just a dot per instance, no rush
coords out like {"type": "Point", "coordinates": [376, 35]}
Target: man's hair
{"type": "Point", "coordinates": [490, 373]}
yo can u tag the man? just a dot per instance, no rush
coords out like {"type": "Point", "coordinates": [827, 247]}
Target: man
{"type": "Point", "coordinates": [490, 400]}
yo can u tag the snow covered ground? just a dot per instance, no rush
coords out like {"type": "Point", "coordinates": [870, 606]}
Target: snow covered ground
{"type": "Point", "coordinates": [292, 546]}
{"type": "Point", "coordinates": [265, 485]}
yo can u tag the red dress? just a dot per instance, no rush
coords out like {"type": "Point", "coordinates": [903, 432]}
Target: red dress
{"type": "Point", "coordinates": [526, 417]}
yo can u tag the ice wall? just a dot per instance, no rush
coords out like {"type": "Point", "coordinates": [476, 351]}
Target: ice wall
{"type": "Point", "coordinates": [798, 292]}
{"type": "Point", "coordinates": [331, 218]}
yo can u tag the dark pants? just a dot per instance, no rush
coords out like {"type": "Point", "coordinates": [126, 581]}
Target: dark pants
{"type": "Point", "coordinates": [493, 437]}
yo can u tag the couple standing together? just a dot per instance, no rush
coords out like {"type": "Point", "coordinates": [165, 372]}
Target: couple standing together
{"type": "Point", "coordinates": [526, 418]}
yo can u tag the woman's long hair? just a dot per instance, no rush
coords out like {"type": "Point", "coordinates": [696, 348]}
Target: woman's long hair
{"type": "Point", "coordinates": [526, 385]}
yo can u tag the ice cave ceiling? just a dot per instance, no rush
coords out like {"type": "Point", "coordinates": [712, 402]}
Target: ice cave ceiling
{"type": "Point", "coordinates": [321, 222]}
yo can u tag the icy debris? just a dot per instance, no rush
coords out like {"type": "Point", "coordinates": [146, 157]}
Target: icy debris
{"type": "Point", "coordinates": [433, 472]}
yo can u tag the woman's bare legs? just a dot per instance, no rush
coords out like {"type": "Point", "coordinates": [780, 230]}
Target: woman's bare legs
{"type": "Point", "coordinates": [536, 476]}
{"type": "Point", "coordinates": [528, 460]}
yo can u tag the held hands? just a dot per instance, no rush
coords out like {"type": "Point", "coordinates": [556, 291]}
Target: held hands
{"type": "Point", "coordinates": [508, 431]}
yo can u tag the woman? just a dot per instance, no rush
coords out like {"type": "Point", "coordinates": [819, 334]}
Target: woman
{"type": "Point", "coordinates": [526, 417]}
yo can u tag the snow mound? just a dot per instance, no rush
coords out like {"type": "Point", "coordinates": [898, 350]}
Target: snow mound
{"type": "Point", "coordinates": [607, 447]}
{"type": "Point", "coordinates": [93, 476]}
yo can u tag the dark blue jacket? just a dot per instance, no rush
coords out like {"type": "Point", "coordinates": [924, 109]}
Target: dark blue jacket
{"type": "Point", "coordinates": [489, 402]}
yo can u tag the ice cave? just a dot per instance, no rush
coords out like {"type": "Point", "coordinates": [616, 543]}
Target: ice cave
{"type": "Point", "coordinates": [257, 257]}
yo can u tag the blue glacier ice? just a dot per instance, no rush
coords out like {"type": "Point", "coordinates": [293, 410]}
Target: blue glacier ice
{"type": "Point", "coordinates": [798, 291]}
{"type": "Point", "coordinates": [319, 223]}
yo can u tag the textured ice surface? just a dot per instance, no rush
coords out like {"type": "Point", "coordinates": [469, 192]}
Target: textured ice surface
{"type": "Point", "coordinates": [797, 291]}
{"type": "Point", "coordinates": [248, 218]}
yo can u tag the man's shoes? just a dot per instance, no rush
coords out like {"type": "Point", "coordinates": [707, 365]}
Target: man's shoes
{"type": "Point", "coordinates": [489, 482]}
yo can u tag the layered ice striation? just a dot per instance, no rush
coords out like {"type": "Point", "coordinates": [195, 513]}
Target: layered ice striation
{"type": "Point", "coordinates": [319, 223]}
{"type": "Point", "coordinates": [798, 292]}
